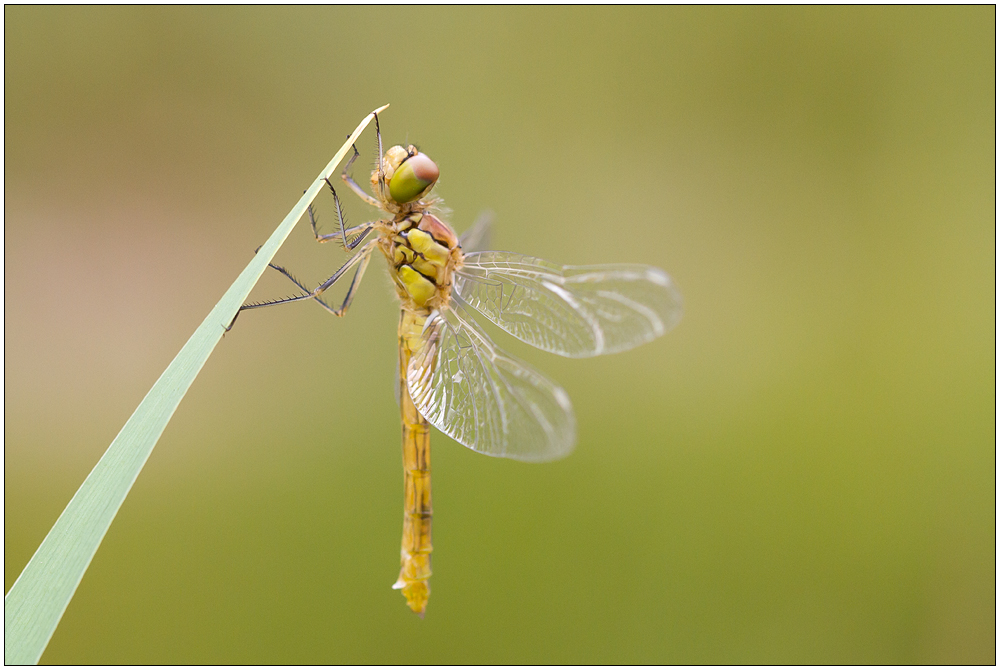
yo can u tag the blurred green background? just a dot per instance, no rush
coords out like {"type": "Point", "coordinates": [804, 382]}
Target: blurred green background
{"type": "Point", "coordinates": [803, 471]}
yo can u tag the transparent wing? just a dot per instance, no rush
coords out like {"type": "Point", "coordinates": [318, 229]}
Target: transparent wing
{"type": "Point", "coordinates": [479, 234]}
{"type": "Point", "coordinates": [575, 311]}
{"type": "Point", "coordinates": [484, 398]}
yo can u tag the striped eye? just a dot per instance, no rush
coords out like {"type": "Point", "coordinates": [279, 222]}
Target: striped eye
{"type": "Point", "coordinates": [413, 178]}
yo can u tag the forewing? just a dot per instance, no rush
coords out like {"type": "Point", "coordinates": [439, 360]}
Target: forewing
{"type": "Point", "coordinates": [479, 234]}
{"type": "Point", "coordinates": [484, 398]}
{"type": "Point", "coordinates": [575, 311]}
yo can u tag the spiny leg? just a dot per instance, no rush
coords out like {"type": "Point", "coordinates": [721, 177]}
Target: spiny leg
{"type": "Point", "coordinates": [351, 290]}
{"type": "Point", "coordinates": [348, 244]}
{"type": "Point", "coordinates": [381, 175]}
{"type": "Point", "coordinates": [301, 286]}
{"type": "Point", "coordinates": [349, 180]}
{"type": "Point", "coordinates": [362, 255]}
{"type": "Point", "coordinates": [380, 184]}
{"type": "Point", "coordinates": [334, 235]}
{"type": "Point", "coordinates": [355, 282]}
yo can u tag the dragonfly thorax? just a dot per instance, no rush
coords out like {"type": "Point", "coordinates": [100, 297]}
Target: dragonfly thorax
{"type": "Point", "coordinates": [422, 255]}
{"type": "Point", "coordinates": [406, 176]}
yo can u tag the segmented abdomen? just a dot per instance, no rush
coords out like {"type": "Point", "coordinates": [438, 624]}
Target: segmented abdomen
{"type": "Point", "coordinates": [415, 553]}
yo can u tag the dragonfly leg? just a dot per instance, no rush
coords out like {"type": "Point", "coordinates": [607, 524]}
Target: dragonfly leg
{"type": "Point", "coordinates": [334, 235]}
{"type": "Point", "coordinates": [349, 180]}
{"type": "Point", "coordinates": [351, 290]}
{"type": "Point", "coordinates": [355, 282]}
{"type": "Point", "coordinates": [362, 257]}
{"type": "Point", "coordinates": [381, 174]}
{"type": "Point", "coordinates": [348, 244]}
{"type": "Point", "coordinates": [301, 286]}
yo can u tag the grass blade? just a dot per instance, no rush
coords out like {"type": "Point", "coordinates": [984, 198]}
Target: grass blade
{"type": "Point", "coordinates": [36, 602]}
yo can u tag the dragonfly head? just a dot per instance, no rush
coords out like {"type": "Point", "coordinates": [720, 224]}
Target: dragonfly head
{"type": "Point", "coordinates": [409, 173]}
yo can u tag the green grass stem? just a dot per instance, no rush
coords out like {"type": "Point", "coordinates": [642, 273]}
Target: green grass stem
{"type": "Point", "coordinates": [36, 602]}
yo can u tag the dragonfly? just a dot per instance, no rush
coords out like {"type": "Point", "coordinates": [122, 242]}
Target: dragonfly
{"type": "Point", "coordinates": [451, 374]}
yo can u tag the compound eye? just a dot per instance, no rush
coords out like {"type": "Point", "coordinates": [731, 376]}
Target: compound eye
{"type": "Point", "coordinates": [414, 177]}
